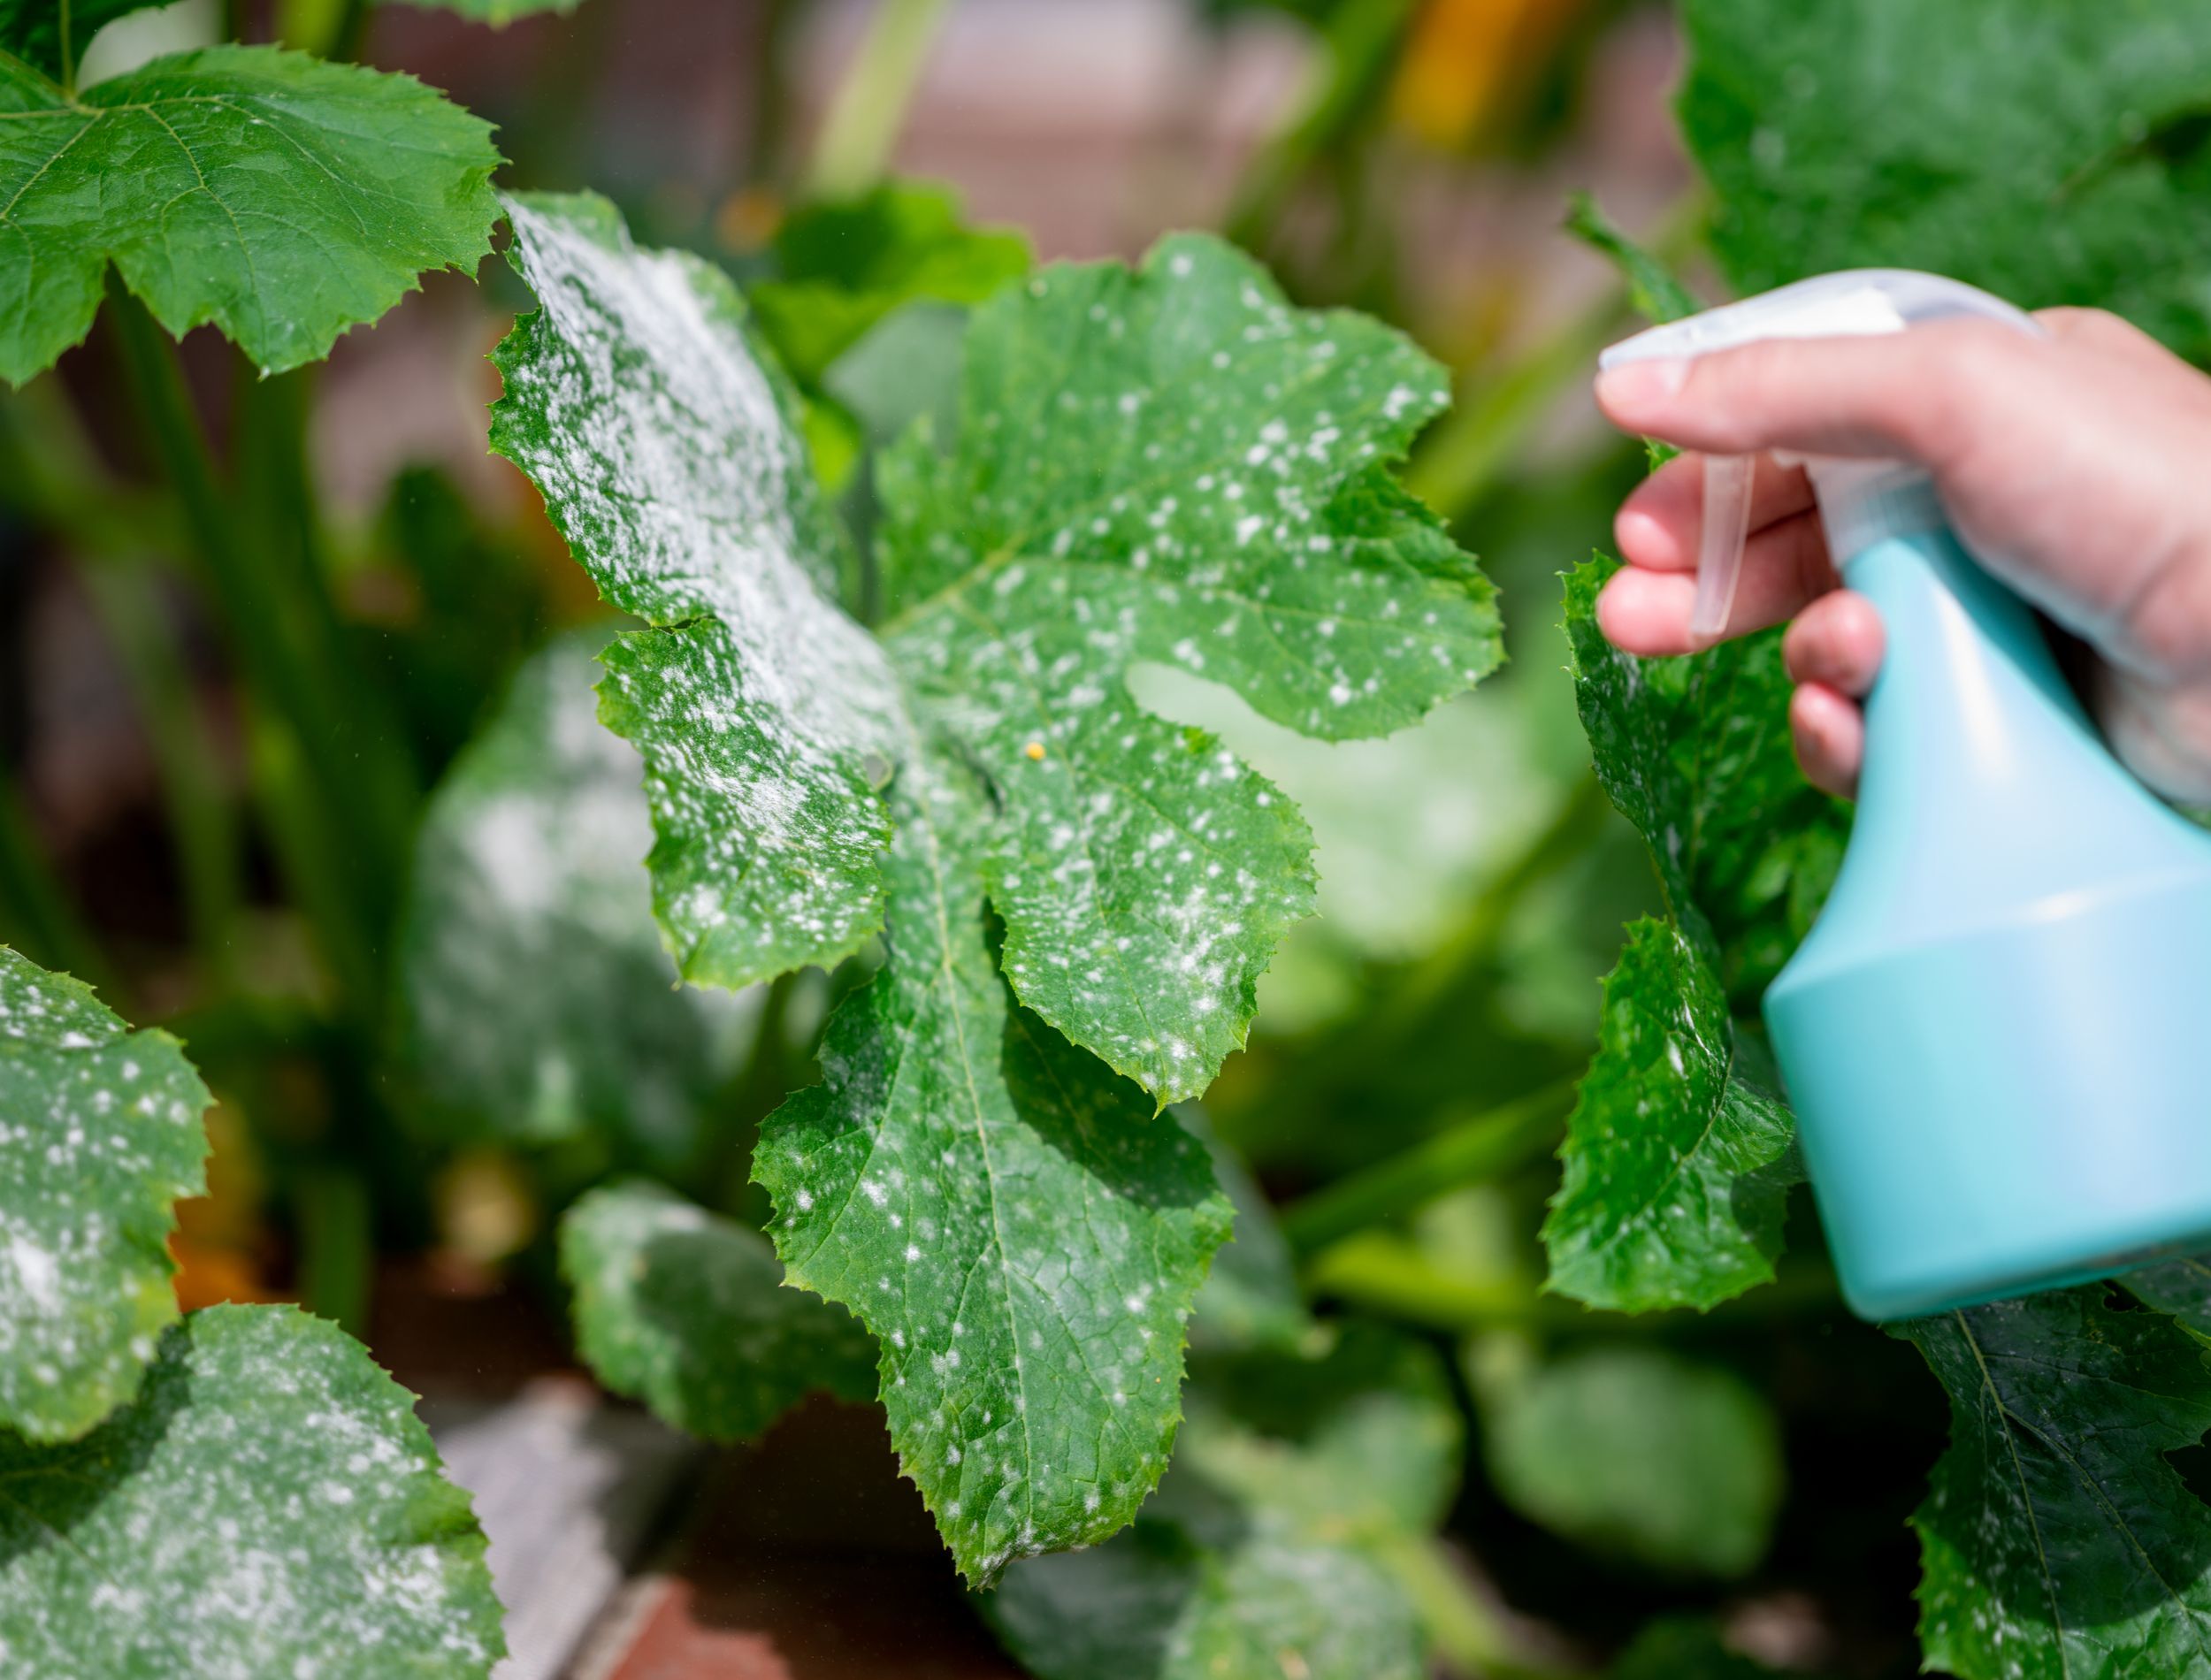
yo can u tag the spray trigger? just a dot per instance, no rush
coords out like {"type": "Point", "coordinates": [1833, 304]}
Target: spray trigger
{"type": "Point", "coordinates": [1720, 548]}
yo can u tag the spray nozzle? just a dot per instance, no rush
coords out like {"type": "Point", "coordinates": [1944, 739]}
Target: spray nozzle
{"type": "Point", "coordinates": [1857, 304]}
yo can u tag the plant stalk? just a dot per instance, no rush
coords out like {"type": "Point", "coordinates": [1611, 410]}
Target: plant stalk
{"type": "Point", "coordinates": [1483, 1147]}
{"type": "Point", "coordinates": [330, 810]}
{"type": "Point", "coordinates": [870, 107]}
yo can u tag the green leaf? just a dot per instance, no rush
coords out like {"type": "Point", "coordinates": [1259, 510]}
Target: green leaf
{"type": "Point", "coordinates": [1695, 752]}
{"type": "Point", "coordinates": [499, 13]}
{"type": "Point", "coordinates": [1020, 1229]}
{"type": "Point", "coordinates": [538, 1003]}
{"type": "Point", "coordinates": [1264, 1553]}
{"type": "Point", "coordinates": [2052, 151]}
{"type": "Point", "coordinates": [846, 263]}
{"type": "Point", "coordinates": [1653, 292]}
{"type": "Point", "coordinates": [1181, 1601]}
{"type": "Point", "coordinates": [100, 1135]}
{"type": "Point", "coordinates": [1169, 465]}
{"type": "Point", "coordinates": [280, 198]}
{"type": "Point", "coordinates": [268, 1506]}
{"type": "Point", "coordinates": [688, 1312]}
{"type": "Point", "coordinates": [2180, 1286]}
{"type": "Point", "coordinates": [667, 453]}
{"type": "Point", "coordinates": [31, 29]}
{"type": "Point", "coordinates": [2056, 1539]}
{"type": "Point", "coordinates": [1642, 1454]}
{"type": "Point", "coordinates": [1677, 1156]}
{"type": "Point", "coordinates": [1142, 875]}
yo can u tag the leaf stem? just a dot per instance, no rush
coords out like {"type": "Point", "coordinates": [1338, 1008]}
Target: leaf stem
{"type": "Point", "coordinates": [68, 55]}
{"type": "Point", "coordinates": [1485, 1145]}
{"type": "Point", "coordinates": [330, 810]}
{"type": "Point", "coordinates": [1462, 1628]}
{"type": "Point", "coordinates": [49, 474]}
{"type": "Point", "coordinates": [35, 912]}
{"type": "Point", "coordinates": [201, 823]}
{"type": "Point", "coordinates": [870, 107]}
{"type": "Point", "coordinates": [1363, 39]}
{"type": "Point", "coordinates": [337, 1252]}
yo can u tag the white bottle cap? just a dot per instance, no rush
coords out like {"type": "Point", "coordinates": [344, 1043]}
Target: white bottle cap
{"type": "Point", "coordinates": [1860, 500]}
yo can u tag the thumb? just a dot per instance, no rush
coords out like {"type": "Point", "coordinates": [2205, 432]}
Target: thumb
{"type": "Point", "coordinates": [1916, 395]}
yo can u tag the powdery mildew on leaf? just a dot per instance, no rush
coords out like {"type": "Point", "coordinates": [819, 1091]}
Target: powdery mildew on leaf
{"type": "Point", "coordinates": [2057, 1541]}
{"type": "Point", "coordinates": [1677, 1156]}
{"type": "Point", "coordinates": [667, 453]}
{"type": "Point", "coordinates": [1170, 464]}
{"type": "Point", "coordinates": [1677, 1162]}
{"type": "Point", "coordinates": [269, 1506]}
{"type": "Point", "coordinates": [537, 1002]}
{"type": "Point", "coordinates": [100, 1135]}
{"type": "Point", "coordinates": [1020, 1229]}
{"type": "Point", "coordinates": [279, 197]}
{"type": "Point", "coordinates": [688, 1312]}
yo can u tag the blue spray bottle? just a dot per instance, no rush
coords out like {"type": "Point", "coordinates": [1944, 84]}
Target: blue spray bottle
{"type": "Point", "coordinates": [1997, 1038]}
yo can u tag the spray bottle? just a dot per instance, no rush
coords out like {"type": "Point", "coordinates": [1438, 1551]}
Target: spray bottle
{"type": "Point", "coordinates": [1997, 1038]}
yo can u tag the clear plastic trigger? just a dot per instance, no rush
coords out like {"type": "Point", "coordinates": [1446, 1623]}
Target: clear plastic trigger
{"type": "Point", "coordinates": [1720, 544]}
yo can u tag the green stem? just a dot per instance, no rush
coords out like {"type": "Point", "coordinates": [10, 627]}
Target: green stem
{"type": "Point", "coordinates": [35, 913]}
{"type": "Point", "coordinates": [1363, 41]}
{"type": "Point", "coordinates": [68, 55]}
{"type": "Point", "coordinates": [200, 823]}
{"type": "Point", "coordinates": [869, 106]}
{"type": "Point", "coordinates": [308, 699]}
{"type": "Point", "coordinates": [348, 32]}
{"type": "Point", "coordinates": [336, 1247]}
{"type": "Point", "coordinates": [49, 475]}
{"type": "Point", "coordinates": [1486, 1146]}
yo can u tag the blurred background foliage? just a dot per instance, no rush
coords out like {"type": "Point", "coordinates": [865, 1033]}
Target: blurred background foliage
{"type": "Point", "coordinates": [418, 967]}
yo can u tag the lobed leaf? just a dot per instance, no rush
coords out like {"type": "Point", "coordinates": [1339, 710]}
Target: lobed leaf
{"type": "Point", "coordinates": [666, 451]}
{"type": "Point", "coordinates": [100, 1136]}
{"type": "Point", "coordinates": [278, 197]}
{"type": "Point", "coordinates": [1169, 464]}
{"type": "Point", "coordinates": [2056, 1539]}
{"type": "Point", "coordinates": [689, 1312]}
{"type": "Point", "coordinates": [32, 29]}
{"type": "Point", "coordinates": [2052, 151]}
{"type": "Point", "coordinates": [1266, 1550]}
{"type": "Point", "coordinates": [1642, 1454]}
{"type": "Point", "coordinates": [1028, 1268]}
{"type": "Point", "coordinates": [537, 1001]}
{"type": "Point", "coordinates": [269, 1505]}
{"type": "Point", "coordinates": [1018, 1228]}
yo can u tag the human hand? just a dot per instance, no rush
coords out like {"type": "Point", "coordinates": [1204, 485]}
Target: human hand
{"type": "Point", "coordinates": [2077, 468]}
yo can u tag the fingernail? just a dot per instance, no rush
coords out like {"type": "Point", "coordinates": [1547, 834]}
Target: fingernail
{"type": "Point", "coordinates": [1634, 385]}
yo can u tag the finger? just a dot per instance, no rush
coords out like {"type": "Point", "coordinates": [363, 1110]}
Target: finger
{"type": "Point", "coordinates": [1915, 396]}
{"type": "Point", "coordinates": [1659, 523]}
{"type": "Point", "coordinates": [1830, 734]}
{"type": "Point", "coordinates": [2101, 330]}
{"type": "Point", "coordinates": [1646, 611]}
{"type": "Point", "coordinates": [1837, 643]}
